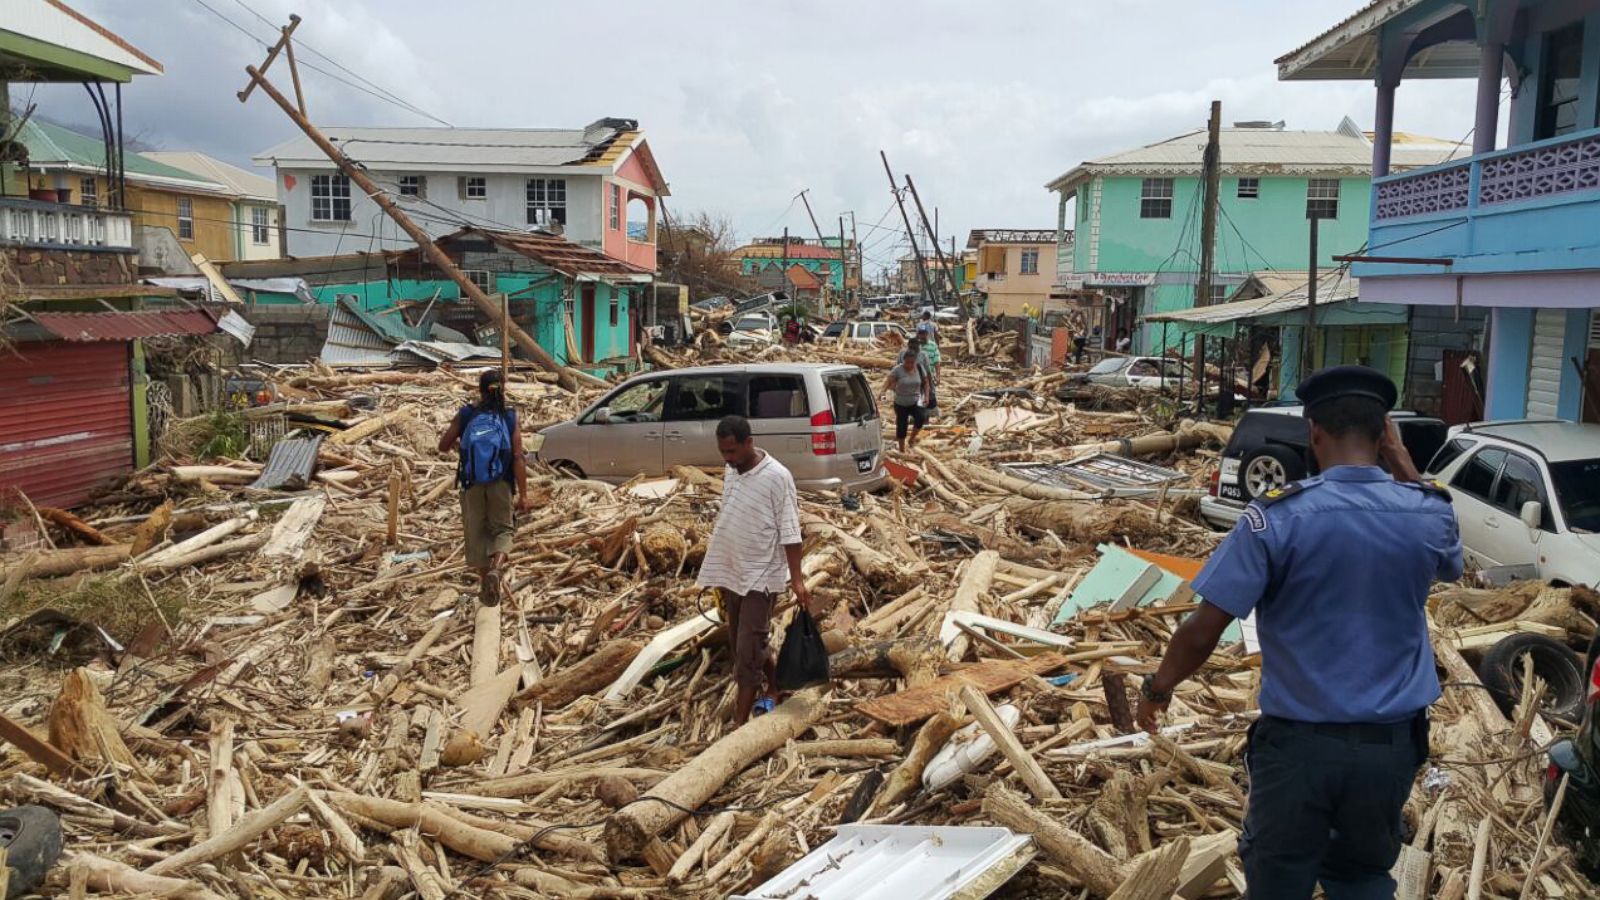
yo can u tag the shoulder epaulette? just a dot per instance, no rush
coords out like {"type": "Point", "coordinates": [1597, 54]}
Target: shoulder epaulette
{"type": "Point", "coordinates": [1267, 498]}
{"type": "Point", "coordinates": [1430, 485]}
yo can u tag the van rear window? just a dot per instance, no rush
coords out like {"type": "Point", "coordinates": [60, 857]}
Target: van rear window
{"type": "Point", "coordinates": [850, 397]}
{"type": "Point", "coordinates": [778, 397]}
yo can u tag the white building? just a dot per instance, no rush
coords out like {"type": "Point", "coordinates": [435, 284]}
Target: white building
{"type": "Point", "coordinates": [597, 186]}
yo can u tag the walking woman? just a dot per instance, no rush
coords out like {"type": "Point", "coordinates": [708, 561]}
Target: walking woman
{"type": "Point", "coordinates": [909, 385]}
{"type": "Point", "coordinates": [491, 461]}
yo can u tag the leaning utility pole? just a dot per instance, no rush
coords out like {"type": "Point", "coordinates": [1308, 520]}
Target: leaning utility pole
{"type": "Point", "coordinates": [844, 270]}
{"type": "Point", "coordinates": [861, 271]}
{"type": "Point", "coordinates": [822, 243]}
{"type": "Point", "coordinates": [949, 276]}
{"type": "Point", "coordinates": [1208, 225]}
{"type": "Point", "coordinates": [911, 235]}
{"type": "Point", "coordinates": [568, 377]}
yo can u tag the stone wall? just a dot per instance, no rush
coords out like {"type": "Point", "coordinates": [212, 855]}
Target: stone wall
{"type": "Point", "coordinates": [58, 267]}
{"type": "Point", "coordinates": [1434, 329]}
{"type": "Point", "coordinates": [288, 334]}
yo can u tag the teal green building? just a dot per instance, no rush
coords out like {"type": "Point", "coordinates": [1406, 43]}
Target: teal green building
{"type": "Point", "coordinates": [1137, 216]}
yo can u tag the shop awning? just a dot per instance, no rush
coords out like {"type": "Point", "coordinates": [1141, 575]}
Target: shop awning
{"type": "Point", "coordinates": [124, 326]}
{"type": "Point", "coordinates": [1266, 295]}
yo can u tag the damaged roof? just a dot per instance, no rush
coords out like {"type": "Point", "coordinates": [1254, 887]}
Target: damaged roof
{"type": "Point", "coordinates": [124, 326]}
{"type": "Point", "coordinates": [604, 142]}
{"type": "Point", "coordinates": [555, 252]}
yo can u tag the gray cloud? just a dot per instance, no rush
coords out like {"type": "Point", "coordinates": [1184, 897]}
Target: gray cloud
{"type": "Point", "coordinates": [748, 103]}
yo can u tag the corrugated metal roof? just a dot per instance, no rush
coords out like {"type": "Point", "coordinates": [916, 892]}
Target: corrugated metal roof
{"type": "Point", "coordinates": [248, 185]}
{"type": "Point", "coordinates": [50, 145]}
{"type": "Point", "coordinates": [1265, 151]}
{"type": "Point", "coordinates": [570, 259]}
{"type": "Point", "coordinates": [291, 464]}
{"type": "Point", "coordinates": [1276, 292]}
{"type": "Point", "coordinates": [352, 341]}
{"type": "Point", "coordinates": [460, 149]}
{"type": "Point", "coordinates": [776, 251]}
{"type": "Point", "coordinates": [125, 326]}
{"type": "Point", "coordinates": [442, 351]}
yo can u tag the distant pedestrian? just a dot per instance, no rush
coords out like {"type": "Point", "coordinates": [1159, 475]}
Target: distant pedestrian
{"type": "Point", "coordinates": [791, 332]}
{"type": "Point", "coordinates": [755, 545]}
{"type": "Point", "coordinates": [908, 383]}
{"type": "Point", "coordinates": [1079, 342]}
{"type": "Point", "coordinates": [491, 462]}
{"type": "Point", "coordinates": [1124, 343]}
{"type": "Point", "coordinates": [928, 332]}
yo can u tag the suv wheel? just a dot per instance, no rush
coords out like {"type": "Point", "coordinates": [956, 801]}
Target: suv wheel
{"type": "Point", "coordinates": [31, 836]}
{"type": "Point", "coordinates": [1269, 467]}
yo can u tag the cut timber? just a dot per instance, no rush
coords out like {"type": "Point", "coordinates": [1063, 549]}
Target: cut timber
{"type": "Point", "coordinates": [976, 579]}
{"type": "Point", "coordinates": [387, 685]}
{"type": "Point", "coordinates": [368, 427]}
{"type": "Point", "coordinates": [481, 705]}
{"type": "Point", "coordinates": [111, 877]}
{"type": "Point", "coordinates": [248, 829]}
{"type": "Point", "coordinates": [1155, 876]}
{"type": "Point", "coordinates": [1027, 767]}
{"type": "Point", "coordinates": [212, 535]}
{"type": "Point", "coordinates": [589, 676]}
{"type": "Point", "coordinates": [1483, 707]}
{"type": "Point", "coordinates": [74, 525]}
{"type": "Point", "coordinates": [657, 650]}
{"type": "Point", "coordinates": [955, 618]}
{"type": "Point", "coordinates": [219, 789]}
{"type": "Point", "coordinates": [907, 777]}
{"type": "Point", "coordinates": [80, 725]}
{"type": "Point", "coordinates": [698, 780]}
{"type": "Point", "coordinates": [989, 676]}
{"type": "Point", "coordinates": [1080, 858]}
{"type": "Point", "coordinates": [914, 659]}
{"type": "Point", "coordinates": [215, 474]}
{"type": "Point", "coordinates": [294, 527]}
{"type": "Point", "coordinates": [55, 563]}
{"type": "Point", "coordinates": [485, 645]}
{"type": "Point", "coordinates": [1486, 636]}
{"type": "Point", "coordinates": [883, 571]}
{"type": "Point", "coordinates": [215, 279]}
{"type": "Point", "coordinates": [468, 840]}
{"type": "Point", "coordinates": [1207, 862]}
{"type": "Point", "coordinates": [39, 750]}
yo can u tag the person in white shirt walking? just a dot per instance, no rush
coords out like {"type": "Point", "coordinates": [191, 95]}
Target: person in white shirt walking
{"type": "Point", "coordinates": [755, 547]}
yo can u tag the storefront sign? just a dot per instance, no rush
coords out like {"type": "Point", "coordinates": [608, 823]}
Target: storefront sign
{"type": "Point", "coordinates": [1120, 279]}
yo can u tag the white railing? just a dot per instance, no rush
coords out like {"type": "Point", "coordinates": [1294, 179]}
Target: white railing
{"type": "Point", "coordinates": [36, 223]}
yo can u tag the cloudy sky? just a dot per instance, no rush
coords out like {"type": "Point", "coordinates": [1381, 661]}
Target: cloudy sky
{"type": "Point", "coordinates": [746, 103]}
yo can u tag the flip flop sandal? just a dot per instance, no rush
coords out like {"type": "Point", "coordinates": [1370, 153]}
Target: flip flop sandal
{"type": "Point", "coordinates": [762, 707]}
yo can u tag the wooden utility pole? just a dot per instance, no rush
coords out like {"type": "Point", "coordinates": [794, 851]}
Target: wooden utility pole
{"type": "Point", "coordinates": [1208, 225]}
{"type": "Point", "coordinates": [844, 269]}
{"type": "Point", "coordinates": [568, 377]}
{"type": "Point", "coordinates": [861, 270]}
{"type": "Point", "coordinates": [822, 243]}
{"type": "Point", "coordinates": [1308, 340]}
{"type": "Point", "coordinates": [783, 266]}
{"type": "Point", "coordinates": [911, 235]}
{"type": "Point", "coordinates": [938, 253]}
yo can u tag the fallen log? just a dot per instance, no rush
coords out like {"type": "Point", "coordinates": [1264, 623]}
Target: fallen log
{"type": "Point", "coordinates": [431, 821]}
{"type": "Point", "coordinates": [74, 525]}
{"type": "Point", "coordinates": [111, 877]}
{"type": "Point", "coordinates": [883, 571]}
{"type": "Point", "coordinates": [589, 676]}
{"type": "Point", "coordinates": [906, 778]}
{"type": "Point", "coordinates": [1080, 858]}
{"type": "Point", "coordinates": [56, 563]}
{"type": "Point", "coordinates": [628, 830]}
{"type": "Point", "coordinates": [976, 579]}
{"type": "Point", "coordinates": [914, 659]}
{"type": "Point", "coordinates": [368, 427]}
{"type": "Point", "coordinates": [246, 830]}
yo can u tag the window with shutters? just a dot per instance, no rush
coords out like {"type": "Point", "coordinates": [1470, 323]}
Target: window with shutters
{"type": "Point", "coordinates": [1558, 91]}
{"type": "Point", "coordinates": [1155, 199]}
{"type": "Point", "coordinates": [330, 198]}
{"type": "Point", "coordinates": [482, 278]}
{"type": "Point", "coordinates": [185, 219]}
{"type": "Point", "coordinates": [614, 215]}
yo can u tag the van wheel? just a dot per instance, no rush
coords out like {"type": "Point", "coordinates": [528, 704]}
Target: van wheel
{"type": "Point", "coordinates": [31, 836]}
{"type": "Point", "coordinates": [1269, 467]}
{"type": "Point", "coordinates": [1501, 672]}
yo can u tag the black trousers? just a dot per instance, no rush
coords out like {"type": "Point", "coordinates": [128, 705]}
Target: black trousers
{"type": "Point", "coordinates": [1325, 803]}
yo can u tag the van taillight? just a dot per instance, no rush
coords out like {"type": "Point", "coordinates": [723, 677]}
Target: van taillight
{"type": "Point", "coordinates": [1216, 479]}
{"type": "Point", "coordinates": [823, 443]}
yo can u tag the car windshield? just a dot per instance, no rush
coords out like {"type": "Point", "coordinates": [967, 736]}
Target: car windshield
{"type": "Point", "coordinates": [752, 323]}
{"type": "Point", "coordinates": [1107, 366]}
{"type": "Point", "coordinates": [1577, 484]}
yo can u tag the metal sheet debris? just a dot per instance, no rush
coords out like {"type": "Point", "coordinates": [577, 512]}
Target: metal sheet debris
{"type": "Point", "coordinates": [902, 862]}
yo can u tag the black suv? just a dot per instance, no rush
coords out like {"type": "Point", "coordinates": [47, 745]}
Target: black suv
{"type": "Point", "coordinates": [1271, 446]}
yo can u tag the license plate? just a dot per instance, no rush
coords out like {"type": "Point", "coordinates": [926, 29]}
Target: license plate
{"type": "Point", "coordinates": [1230, 491]}
{"type": "Point", "coordinates": [864, 463]}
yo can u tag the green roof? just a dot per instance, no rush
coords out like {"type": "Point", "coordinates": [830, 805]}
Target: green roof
{"type": "Point", "coordinates": [52, 145]}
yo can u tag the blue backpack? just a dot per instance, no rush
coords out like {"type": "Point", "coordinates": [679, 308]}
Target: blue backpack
{"type": "Point", "coordinates": [485, 447]}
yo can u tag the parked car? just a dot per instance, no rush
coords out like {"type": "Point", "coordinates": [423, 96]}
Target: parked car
{"type": "Point", "coordinates": [1149, 373]}
{"type": "Point", "coordinates": [1271, 446]}
{"type": "Point", "coordinates": [712, 304]}
{"type": "Point", "coordinates": [834, 329]}
{"type": "Point", "coordinates": [1527, 497]}
{"type": "Point", "coordinates": [942, 314]}
{"type": "Point", "coordinates": [753, 330]}
{"type": "Point", "coordinates": [867, 332]}
{"type": "Point", "coordinates": [818, 419]}
{"type": "Point", "coordinates": [769, 301]}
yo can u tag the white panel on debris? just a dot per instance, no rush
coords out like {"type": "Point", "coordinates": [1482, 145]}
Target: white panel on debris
{"type": "Point", "coordinates": [902, 862]}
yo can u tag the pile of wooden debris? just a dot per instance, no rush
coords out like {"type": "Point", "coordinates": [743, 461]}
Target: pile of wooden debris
{"type": "Point", "coordinates": [334, 716]}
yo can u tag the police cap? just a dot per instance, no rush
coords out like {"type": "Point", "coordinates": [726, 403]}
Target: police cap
{"type": "Point", "coordinates": [1347, 381]}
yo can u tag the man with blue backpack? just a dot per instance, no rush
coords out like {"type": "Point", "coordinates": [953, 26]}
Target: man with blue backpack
{"type": "Point", "coordinates": [491, 458]}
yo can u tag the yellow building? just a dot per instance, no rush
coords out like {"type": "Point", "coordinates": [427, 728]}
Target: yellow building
{"type": "Point", "coordinates": [1014, 268]}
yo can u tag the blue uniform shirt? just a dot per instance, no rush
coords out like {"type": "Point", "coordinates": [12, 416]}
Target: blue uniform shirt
{"type": "Point", "coordinates": [1337, 572]}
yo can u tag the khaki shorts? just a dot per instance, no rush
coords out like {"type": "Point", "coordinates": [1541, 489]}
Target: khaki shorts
{"type": "Point", "coordinates": [486, 521]}
{"type": "Point", "coordinates": [749, 619]}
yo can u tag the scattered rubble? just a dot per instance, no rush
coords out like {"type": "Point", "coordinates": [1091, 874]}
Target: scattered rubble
{"type": "Point", "coordinates": [328, 713]}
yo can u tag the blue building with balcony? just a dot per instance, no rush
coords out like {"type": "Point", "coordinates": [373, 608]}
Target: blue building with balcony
{"type": "Point", "coordinates": [1515, 227]}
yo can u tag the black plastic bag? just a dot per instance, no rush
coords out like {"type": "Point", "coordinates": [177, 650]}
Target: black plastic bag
{"type": "Point", "coordinates": [803, 660]}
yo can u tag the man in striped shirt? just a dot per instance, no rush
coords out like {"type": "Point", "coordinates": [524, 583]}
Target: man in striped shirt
{"type": "Point", "coordinates": [755, 546]}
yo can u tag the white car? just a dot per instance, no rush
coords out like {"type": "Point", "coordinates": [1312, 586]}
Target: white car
{"type": "Point", "coordinates": [868, 332]}
{"type": "Point", "coordinates": [1527, 497]}
{"type": "Point", "coordinates": [753, 330]}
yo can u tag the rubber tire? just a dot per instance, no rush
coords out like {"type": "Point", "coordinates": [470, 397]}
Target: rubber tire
{"type": "Point", "coordinates": [1294, 466]}
{"type": "Point", "coordinates": [32, 838]}
{"type": "Point", "coordinates": [1501, 673]}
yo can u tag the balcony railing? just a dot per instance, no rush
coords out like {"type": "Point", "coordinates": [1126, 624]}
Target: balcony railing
{"type": "Point", "coordinates": [1554, 168]}
{"type": "Point", "coordinates": [34, 223]}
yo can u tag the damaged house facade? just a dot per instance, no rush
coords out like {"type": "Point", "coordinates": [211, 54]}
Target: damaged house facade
{"type": "Point", "coordinates": [1507, 230]}
{"type": "Point", "coordinates": [598, 186]}
{"type": "Point", "coordinates": [74, 410]}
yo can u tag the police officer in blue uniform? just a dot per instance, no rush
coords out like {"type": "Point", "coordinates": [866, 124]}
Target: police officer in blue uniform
{"type": "Point", "coordinates": [1336, 569]}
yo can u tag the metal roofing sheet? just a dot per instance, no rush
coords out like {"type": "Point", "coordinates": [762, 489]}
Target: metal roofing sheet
{"type": "Point", "coordinates": [291, 464]}
{"type": "Point", "coordinates": [470, 148]}
{"type": "Point", "coordinates": [567, 257]}
{"type": "Point", "coordinates": [352, 342]}
{"type": "Point", "coordinates": [1282, 292]}
{"type": "Point", "coordinates": [125, 326]}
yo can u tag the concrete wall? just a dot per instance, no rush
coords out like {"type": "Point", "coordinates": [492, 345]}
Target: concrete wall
{"type": "Point", "coordinates": [1008, 295]}
{"type": "Point", "coordinates": [1433, 331]}
{"type": "Point", "coordinates": [438, 213]}
{"type": "Point", "coordinates": [288, 334]}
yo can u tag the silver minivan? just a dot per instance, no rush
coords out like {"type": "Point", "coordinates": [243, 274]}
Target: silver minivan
{"type": "Point", "coordinates": [819, 419]}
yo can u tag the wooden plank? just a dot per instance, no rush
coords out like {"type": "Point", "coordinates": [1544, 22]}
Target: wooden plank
{"type": "Point", "coordinates": [39, 750]}
{"type": "Point", "coordinates": [294, 527]}
{"type": "Point", "coordinates": [1027, 767]}
{"type": "Point", "coordinates": [1141, 584]}
{"type": "Point", "coordinates": [217, 281]}
{"type": "Point", "coordinates": [989, 676]}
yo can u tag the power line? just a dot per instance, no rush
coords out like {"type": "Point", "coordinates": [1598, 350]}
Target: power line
{"type": "Point", "coordinates": [408, 107]}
